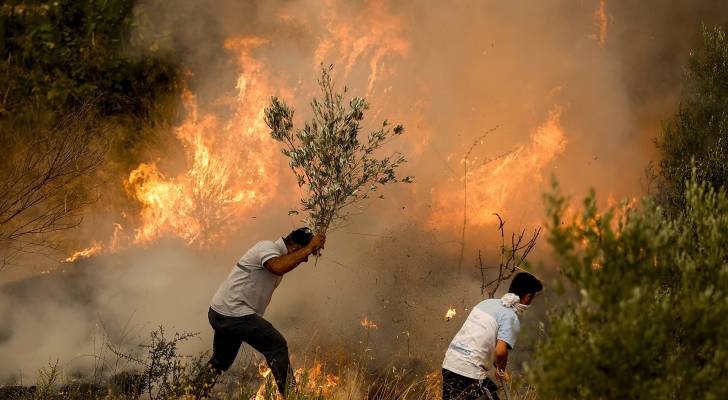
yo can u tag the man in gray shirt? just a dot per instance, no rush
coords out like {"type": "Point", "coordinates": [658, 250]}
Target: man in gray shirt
{"type": "Point", "coordinates": [236, 310]}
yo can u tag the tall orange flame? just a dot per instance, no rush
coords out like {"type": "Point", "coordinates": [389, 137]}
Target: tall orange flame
{"type": "Point", "coordinates": [374, 33]}
{"type": "Point", "coordinates": [231, 170]}
{"type": "Point", "coordinates": [491, 185]}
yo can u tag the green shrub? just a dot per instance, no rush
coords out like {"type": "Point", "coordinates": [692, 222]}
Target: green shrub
{"type": "Point", "coordinates": [649, 321]}
{"type": "Point", "coordinates": [699, 131]}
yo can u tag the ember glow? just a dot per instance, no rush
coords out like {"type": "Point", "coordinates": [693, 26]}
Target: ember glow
{"type": "Point", "coordinates": [367, 323]}
{"type": "Point", "coordinates": [316, 380]}
{"type": "Point", "coordinates": [450, 314]}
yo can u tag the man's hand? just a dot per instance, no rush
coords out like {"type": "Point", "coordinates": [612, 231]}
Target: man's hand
{"type": "Point", "coordinates": [316, 244]}
{"type": "Point", "coordinates": [503, 375]}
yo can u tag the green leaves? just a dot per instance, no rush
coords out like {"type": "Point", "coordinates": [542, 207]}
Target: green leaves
{"type": "Point", "coordinates": [649, 319]}
{"type": "Point", "coordinates": [280, 121]}
{"type": "Point", "coordinates": [329, 161]}
{"type": "Point", "coordinates": [699, 131]}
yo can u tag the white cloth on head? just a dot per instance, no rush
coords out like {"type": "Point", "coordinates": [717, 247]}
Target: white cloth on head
{"type": "Point", "coordinates": [511, 300]}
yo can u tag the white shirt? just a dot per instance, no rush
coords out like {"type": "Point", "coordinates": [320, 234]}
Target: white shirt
{"type": "Point", "coordinates": [472, 351]}
{"type": "Point", "coordinates": [249, 287]}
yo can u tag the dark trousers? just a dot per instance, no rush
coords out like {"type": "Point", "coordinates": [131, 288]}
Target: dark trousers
{"type": "Point", "coordinates": [455, 386]}
{"type": "Point", "coordinates": [231, 332]}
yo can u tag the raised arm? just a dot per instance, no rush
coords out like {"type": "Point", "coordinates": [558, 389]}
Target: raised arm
{"type": "Point", "coordinates": [284, 264]}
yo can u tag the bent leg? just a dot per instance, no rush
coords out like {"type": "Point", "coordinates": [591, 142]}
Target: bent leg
{"type": "Point", "coordinates": [227, 339]}
{"type": "Point", "coordinates": [225, 346]}
{"type": "Point", "coordinates": [268, 341]}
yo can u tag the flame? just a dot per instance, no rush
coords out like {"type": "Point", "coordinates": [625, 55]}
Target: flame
{"type": "Point", "coordinates": [230, 171]}
{"type": "Point", "coordinates": [433, 384]}
{"type": "Point", "coordinates": [264, 373]}
{"type": "Point", "coordinates": [492, 185]}
{"type": "Point", "coordinates": [99, 248]}
{"type": "Point", "coordinates": [373, 33]}
{"type": "Point", "coordinates": [450, 314]}
{"type": "Point", "coordinates": [316, 381]}
{"type": "Point", "coordinates": [85, 253]}
{"type": "Point", "coordinates": [601, 21]}
{"type": "Point", "coordinates": [313, 380]}
{"type": "Point", "coordinates": [368, 324]}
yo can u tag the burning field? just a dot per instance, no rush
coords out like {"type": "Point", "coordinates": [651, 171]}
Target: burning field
{"type": "Point", "coordinates": [496, 98]}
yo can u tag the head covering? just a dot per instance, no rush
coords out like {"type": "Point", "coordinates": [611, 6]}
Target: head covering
{"type": "Point", "coordinates": [511, 300]}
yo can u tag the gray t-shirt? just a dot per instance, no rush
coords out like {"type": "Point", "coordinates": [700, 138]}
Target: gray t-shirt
{"type": "Point", "coordinates": [249, 287]}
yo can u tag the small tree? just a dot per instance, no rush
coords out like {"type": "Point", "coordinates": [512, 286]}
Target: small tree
{"type": "Point", "coordinates": [41, 192]}
{"type": "Point", "coordinates": [330, 162]}
{"type": "Point", "coordinates": [649, 322]}
{"type": "Point", "coordinates": [699, 131]}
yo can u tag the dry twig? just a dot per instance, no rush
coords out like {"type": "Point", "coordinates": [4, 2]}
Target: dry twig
{"type": "Point", "coordinates": [512, 258]}
{"type": "Point", "coordinates": [40, 193]}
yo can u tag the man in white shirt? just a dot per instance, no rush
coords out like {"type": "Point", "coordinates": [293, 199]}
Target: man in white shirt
{"type": "Point", "coordinates": [236, 310]}
{"type": "Point", "coordinates": [490, 330]}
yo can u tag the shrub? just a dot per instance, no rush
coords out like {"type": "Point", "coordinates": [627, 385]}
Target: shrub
{"type": "Point", "coordinates": [649, 318]}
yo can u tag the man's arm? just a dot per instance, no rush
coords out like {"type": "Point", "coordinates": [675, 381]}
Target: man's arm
{"type": "Point", "coordinates": [284, 264]}
{"type": "Point", "coordinates": [501, 355]}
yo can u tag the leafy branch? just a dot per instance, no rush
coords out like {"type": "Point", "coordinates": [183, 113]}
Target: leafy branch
{"type": "Point", "coordinates": [331, 163]}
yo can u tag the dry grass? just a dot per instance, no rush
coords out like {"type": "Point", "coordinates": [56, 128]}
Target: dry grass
{"type": "Point", "coordinates": [158, 371]}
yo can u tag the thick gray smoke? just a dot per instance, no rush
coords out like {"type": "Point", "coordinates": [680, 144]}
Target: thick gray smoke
{"type": "Point", "coordinates": [448, 72]}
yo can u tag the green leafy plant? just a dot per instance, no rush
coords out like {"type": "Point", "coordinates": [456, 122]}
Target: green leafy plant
{"type": "Point", "coordinates": [331, 162]}
{"type": "Point", "coordinates": [697, 136]}
{"type": "Point", "coordinates": [648, 321]}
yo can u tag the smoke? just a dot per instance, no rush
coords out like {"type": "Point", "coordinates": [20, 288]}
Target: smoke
{"type": "Point", "coordinates": [449, 72]}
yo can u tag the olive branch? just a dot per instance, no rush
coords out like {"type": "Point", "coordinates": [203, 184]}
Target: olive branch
{"type": "Point", "coordinates": [333, 166]}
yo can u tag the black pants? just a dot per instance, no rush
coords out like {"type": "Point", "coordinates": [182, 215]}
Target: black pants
{"type": "Point", "coordinates": [231, 332]}
{"type": "Point", "coordinates": [455, 386]}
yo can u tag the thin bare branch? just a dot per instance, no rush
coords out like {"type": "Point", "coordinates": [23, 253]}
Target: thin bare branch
{"type": "Point", "coordinates": [512, 258]}
{"type": "Point", "coordinates": [40, 190]}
